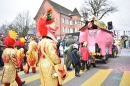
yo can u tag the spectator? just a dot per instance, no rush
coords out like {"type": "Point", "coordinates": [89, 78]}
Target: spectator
{"type": "Point", "coordinates": [76, 59]}
{"type": "Point", "coordinates": [58, 45]}
{"type": "Point", "coordinates": [61, 49]}
{"type": "Point", "coordinates": [85, 54]}
{"type": "Point", "coordinates": [1, 50]}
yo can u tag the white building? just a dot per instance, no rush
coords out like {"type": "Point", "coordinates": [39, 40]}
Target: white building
{"type": "Point", "coordinates": [120, 33]}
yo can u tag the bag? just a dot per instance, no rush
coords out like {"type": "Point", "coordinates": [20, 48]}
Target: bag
{"type": "Point", "coordinates": [60, 69]}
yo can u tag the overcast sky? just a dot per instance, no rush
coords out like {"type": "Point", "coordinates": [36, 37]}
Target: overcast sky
{"type": "Point", "coordinates": [10, 8]}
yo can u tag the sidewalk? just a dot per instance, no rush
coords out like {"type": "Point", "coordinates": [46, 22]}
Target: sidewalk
{"type": "Point", "coordinates": [124, 52]}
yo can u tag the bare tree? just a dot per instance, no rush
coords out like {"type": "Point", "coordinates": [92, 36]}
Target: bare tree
{"type": "Point", "coordinates": [98, 8]}
{"type": "Point", "coordinates": [21, 24]}
{"type": "Point", "coordinates": [5, 27]}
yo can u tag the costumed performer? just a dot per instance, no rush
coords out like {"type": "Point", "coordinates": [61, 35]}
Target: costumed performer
{"type": "Point", "coordinates": [32, 56]}
{"type": "Point", "coordinates": [47, 50]}
{"type": "Point", "coordinates": [20, 51]}
{"type": "Point", "coordinates": [9, 57]}
{"type": "Point", "coordinates": [69, 47]}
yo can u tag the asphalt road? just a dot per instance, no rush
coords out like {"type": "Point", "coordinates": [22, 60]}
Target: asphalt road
{"type": "Point", "coordinates": [115, 73]}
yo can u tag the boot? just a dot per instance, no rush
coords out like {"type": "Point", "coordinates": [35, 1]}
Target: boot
{"type": "Point", "coordinates": [94, 65]}
{"type": "Point", "coordinates": [82, 68]}
{"type": "Point", "coordinates": [88, 67]}
{"type": "Point", "coordinates": [68, 69]}
{"type": "Point", "coordinates": [26, 71]}
{"type": "Point", "coordinates": [23, 82]}
{"type": "Point", "coordinates": [33, 70]}
{"type": "Point", "coordinates": [7, 84]}
{"type": "Point", "coordinates": [77, 74]}
{"type": "Point", "coordinates": [21, 67]}
{"type": "Point", "coordinates": [18, 80]}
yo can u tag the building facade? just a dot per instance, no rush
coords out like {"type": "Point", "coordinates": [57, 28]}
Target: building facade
{"type": "Point", "coordinates": [122, 33]}
{"type": "Point", "coordinates": [67, 20]}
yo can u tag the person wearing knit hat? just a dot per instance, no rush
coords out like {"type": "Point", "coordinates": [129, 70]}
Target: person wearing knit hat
{"type": "Point", "coordinates": [9, 57]}
{"type": "Point", "coordinates": [20, 51]}
{"type": "Point", "coordinates": [46, 27]}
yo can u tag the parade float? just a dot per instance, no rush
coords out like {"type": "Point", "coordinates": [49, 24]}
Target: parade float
{"type": "Point", "coordinates": [99, 38]}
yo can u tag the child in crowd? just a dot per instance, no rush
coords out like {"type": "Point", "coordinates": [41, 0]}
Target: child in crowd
{"type": "Point", "coordinates": [92, 60]}
{"type": "Point", "coordinates": [76, 59]}
{"type": "Point", "coordinates": [85, 54]}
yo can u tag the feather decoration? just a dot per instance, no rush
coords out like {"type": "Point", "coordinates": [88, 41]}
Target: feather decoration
{"type": "Point", "coordinates": [10, 39]}
{"type": "Point", "coordinates": [41, 27]}
{"type": "Point", "coordinates": [49, 10]}
{"type": "Point", "coordinates": [12, 34]}
{"type": "Point", "coordinates": [22, 39]}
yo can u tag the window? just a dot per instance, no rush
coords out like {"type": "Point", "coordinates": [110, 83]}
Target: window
{"type": "Point", "coordinates": [79, 22]}
{"type": "Point", "coordinates": [64, 29]}
{"type": "Point", "coordinates": [70, 22]}
{"type": "Point", "coordinates": [63, 20]}
{"type": "Point", "coordinates": [73, 22]}
{"type": "Point", "coordinates": [69, 30]}
{"type": "Point", "coordinates": [66, 21]}
{"type": "Point", "coordinates": [74, 30]}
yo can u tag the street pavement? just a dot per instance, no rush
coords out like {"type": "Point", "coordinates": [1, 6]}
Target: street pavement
{"type": "Point", "coordinates": [115, 73]}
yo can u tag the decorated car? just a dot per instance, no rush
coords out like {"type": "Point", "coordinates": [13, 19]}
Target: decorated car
{"type": "Point", "coordinates": [100, 40]}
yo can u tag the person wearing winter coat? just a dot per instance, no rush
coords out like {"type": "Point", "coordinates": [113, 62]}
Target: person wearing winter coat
{"type": "Point", "coordinates": [76, 59]}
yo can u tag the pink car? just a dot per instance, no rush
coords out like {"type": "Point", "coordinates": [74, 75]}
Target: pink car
{"type": "Point", "coordinates": [100, 41]}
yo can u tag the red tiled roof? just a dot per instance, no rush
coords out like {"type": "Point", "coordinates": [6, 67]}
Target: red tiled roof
{"type": "Point", "coordinates": [60, 9]}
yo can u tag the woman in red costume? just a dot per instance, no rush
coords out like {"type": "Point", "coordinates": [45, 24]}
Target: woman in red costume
{"type": "Point", "coordinates": [47, 50]}
{"type": "Point", "coordinates": [9, 57]}
{"type": "Point", "coordinates": [20, 52]}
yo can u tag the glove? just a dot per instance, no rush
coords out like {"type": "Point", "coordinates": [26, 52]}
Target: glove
{"type": "Point", "coordinates": [55, 74]}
